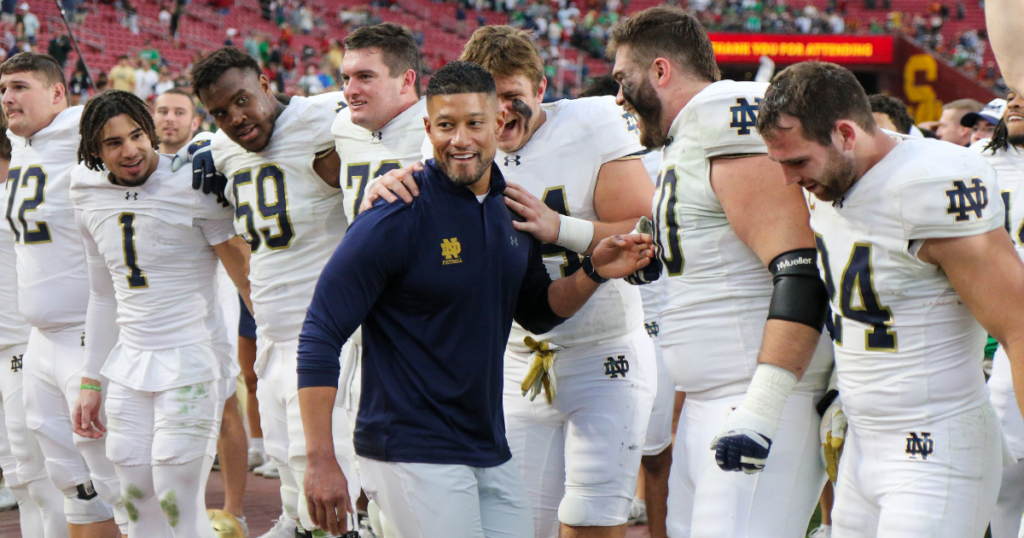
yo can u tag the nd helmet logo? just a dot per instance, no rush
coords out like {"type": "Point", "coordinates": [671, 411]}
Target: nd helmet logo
{"type": "Point", "coordinates": [450, 249]}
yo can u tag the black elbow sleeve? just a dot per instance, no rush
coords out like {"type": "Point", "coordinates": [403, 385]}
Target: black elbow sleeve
{"type": "Point", "coordinates": [799, 295]}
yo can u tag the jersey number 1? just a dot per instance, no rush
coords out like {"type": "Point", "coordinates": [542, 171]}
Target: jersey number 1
{"type": "Point", "coordinates": [858, 283]}
{"type": "Point", "coordinates": [136, 277]}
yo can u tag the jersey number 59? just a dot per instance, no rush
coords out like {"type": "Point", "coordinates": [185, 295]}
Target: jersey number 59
{"type": "Point", "coordinates": [271, 203]}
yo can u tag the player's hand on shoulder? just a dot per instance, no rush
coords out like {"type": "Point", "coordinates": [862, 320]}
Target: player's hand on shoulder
{"type": "Point", "coordinates": [743, 443]}
{"type": "Point", "coordinates": [86, 415]}
{"type": "Point", "coordinates": [327, 498]}
{"type": "Point", "coordinates": [204, 173]}
{"type": "Point", "coordinates": [618, 256]}
{"type": "Point", "coordinates": [395, 184]}
{"type": "Point", "coordinates": [541, 221]}
{"type": "Point", "coordinates": [652, 272]}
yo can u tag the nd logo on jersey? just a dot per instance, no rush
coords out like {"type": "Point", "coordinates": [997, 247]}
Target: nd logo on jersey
{"type": "Point", "coordinates": [964, 199]}
{"type": "Point", "coordinates": [16, 363]}
{"type": "Point", "coordinates": [920, 446]}
{"type": "Point", "coordinates": [744, 115]}
{"type": "Point", "coordinates": [450, 249]}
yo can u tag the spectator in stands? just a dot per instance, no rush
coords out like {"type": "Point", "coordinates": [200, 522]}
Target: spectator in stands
{"type": "Point", "coordinates": [949, 129]}
{"type": "Point", "coordinates": [145, 80]}
{"type": "Point", "coordinates": [122, 75]}
{"type": "Point", "coordinates": [164, 17]}
{"type": "Point", "coordinates": [305, 19]}
{"type": "Point", "coordinates": [334, 57]}
{"type": "Point", "coordinates": [7, 12]}
{"type": "Point", "coordinates": [30, 22]}
{"type": "Point", "coordinates": [252, 45]}
{"type": "Point", "coordinates": [78, 85]}
{"type": "Point", "coordinates": [983, 124]}
{"type": "Point", "coordinates": [149, 53]}
{"type": "Point", "coordinates": [310, 83]}
{"type": "Point", "coordinates": [164, 83]}
{"type": "Point", "coordinates": [890, 113]}
{"type": "Point", "coordinates": [59, 47]}
{"type": "Point", "coordinates": [179, 12]}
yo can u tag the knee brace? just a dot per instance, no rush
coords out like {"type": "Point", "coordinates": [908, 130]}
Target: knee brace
{"type": "Point", "coordinates": [82, 505]}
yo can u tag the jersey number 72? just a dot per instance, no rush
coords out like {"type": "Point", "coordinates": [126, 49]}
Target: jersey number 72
{"type": "Point", "coordinates": [15, 180]}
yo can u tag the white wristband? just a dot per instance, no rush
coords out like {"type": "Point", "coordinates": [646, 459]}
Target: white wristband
{"type": "Point", "coordinates": [766, 396]}
{"type": "Point", "coordinates": [575, 234]}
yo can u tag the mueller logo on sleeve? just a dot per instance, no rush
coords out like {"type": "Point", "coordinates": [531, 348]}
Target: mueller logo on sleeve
{"type": "Point", "coordinates": [451, 249]}
{"type": "Point", "coordinates": [793, 262]}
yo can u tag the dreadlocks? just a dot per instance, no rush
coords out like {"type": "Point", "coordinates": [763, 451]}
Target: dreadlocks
{"type": "Point", "coordinates": [98, 111]}
{"type": "Point", "coordinates": [1000, 138]}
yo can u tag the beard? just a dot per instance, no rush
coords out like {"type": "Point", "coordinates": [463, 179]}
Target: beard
{"type": "Point", "coordinates": [647, 106]}
{"type": "Point", "coordinates": [466, 179]}
{"type": "Point", "coordinates": [837, 177]}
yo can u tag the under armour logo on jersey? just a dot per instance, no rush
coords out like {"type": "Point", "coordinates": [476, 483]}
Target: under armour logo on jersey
{"type": "Point", "coordinates": [512, 160]}
{"type": "Point", "coordinates": [131, 196]}
{"type": "Point", "coordinates": [920, 446]}
{"type": "Point", "coordinates": [513, 240]}
{"type": "Point", "coordinates": [450, 249]}
{"type": "Point", "coordinates": [652, 329]}
{"type": "Point", "coordinates": [16, 363]}
{"type": "Point", "coordinates": [83, 339]}
{"type": "Point", "coordinates": [377, 135]}
{"type": "Point", "coordinates": [616, 366]}
{"type": "Point", "coordinates": [744, 115]}
{"type": "Point", "coordinates": [631, 123]}
{"type": "Point", "coordinates": [964, 199]}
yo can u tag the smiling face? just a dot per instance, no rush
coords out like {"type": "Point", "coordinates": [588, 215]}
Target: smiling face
{"type": "Point", "coordinates": [175, 120]}
{"type": "Point", "coordinates": [463, 128]}
{"type": "Point", "coordinates": [637, 95]}
{"type": "Point", "coordinates": [374, 96]}
{"type": "Point", "coordinates": [29, 103]}
{"type": "Point", "coordinates": [127, 152]}
{"type": "Point", "coordinates": [1015, 118]}
{"type": "Point", "coordinates": [243, 106]}
{"type": "Point", "coordinates": [521, 104]}
{"type": "Point", "coordinates": [821, 170]}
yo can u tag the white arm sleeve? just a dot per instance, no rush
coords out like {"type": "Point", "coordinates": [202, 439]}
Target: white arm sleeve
{"type": "Point", "coordinates": [101, 329]}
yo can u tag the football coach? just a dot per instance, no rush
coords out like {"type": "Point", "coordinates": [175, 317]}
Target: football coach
{"type": "Point", "coordinates": [435, 285]}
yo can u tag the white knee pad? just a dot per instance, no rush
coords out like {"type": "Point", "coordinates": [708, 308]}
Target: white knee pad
{"type": "Point", "coordinates": [379, 522]}
{"type": "Point", "coordinates": [579, 511]}
{"type": "Point", "coordinates": [82, 505]}
{"type": "Point", "coordinates": [50, 502]}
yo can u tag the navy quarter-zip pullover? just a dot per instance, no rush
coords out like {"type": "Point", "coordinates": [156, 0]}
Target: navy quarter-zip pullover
{"type": "Point", "coordinates": [435, 285]}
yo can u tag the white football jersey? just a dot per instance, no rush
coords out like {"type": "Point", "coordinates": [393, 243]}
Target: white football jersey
{"type": "Point", "coordinates": [1009, 166]}
{"type": "Point", "coordinates": [155, 240]}
{"type": "Point", "coordinates": [560, 165]}
{"type": "Point", "coordinates": [53, 282]}
{"type": "Point", "coordinates": [717, 289]}
{"type": "Point", "coordinates": [292, 219]}
{"type": "Point", "coordinates": [13, 327]}
{"type": "Point", "coordinates": [366, 155]}
{"type": "Point", "coordinates": [907, 348]}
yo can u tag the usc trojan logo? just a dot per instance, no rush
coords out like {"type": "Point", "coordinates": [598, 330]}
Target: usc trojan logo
{"type": "Point", "coordinates": [450, 249]}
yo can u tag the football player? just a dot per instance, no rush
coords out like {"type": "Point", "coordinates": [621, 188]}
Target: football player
{"type": "Point", "coordinates": [282, 177]}
{"type": "Point", "coordinates": [176, 119]}
{"type": "Point", "coordinates": [1005, 152]}
{"type": "Point", "coordinates": [574, 174]}
{"type": "Point", "coordinates": [40, 504]}
{"type": "Point", "coordinates": [736, 249]}
{"type": "Point", "coordinates": [53, 288]}
{"type": "Point", "coordinates": [154, 328]}
{"type": "Point", "coordinates": [917, 264]}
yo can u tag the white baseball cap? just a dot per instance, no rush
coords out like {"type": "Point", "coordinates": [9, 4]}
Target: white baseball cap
{"type": "Point", "coordinates": [992, 113]}
{"type": "Point", "coordinates": [24, 6]}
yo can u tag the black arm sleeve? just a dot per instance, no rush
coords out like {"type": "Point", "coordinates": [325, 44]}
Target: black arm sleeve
{"type": "Point", "coordinates": [533, 311]}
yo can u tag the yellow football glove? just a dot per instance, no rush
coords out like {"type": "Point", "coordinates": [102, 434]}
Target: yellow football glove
{"type": "Point", "coordinates": [833, 435]}
{"type": "Point", "coordinates": [541, 375]}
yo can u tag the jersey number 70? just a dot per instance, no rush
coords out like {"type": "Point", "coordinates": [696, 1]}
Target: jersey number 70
{"type": "Point", "coordinates": [858, 283]}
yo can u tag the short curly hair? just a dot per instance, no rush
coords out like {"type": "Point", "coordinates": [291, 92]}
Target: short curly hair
{"type": "Point", "coordinates": [895, 109]}
{"type": "Point", "coordinates": [208, 71]}
{"type": "Point", "coordinates": [461, 77]}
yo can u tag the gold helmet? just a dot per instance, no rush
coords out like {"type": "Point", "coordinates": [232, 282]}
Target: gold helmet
{"type": "Point", "coordinates": [225, 525]}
